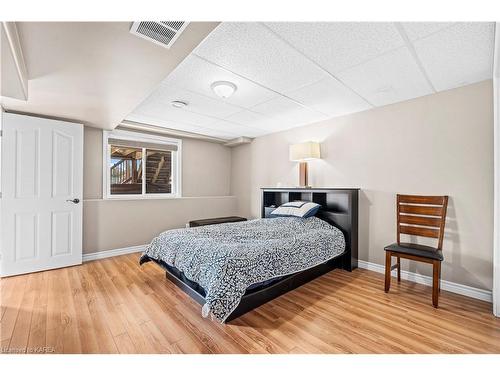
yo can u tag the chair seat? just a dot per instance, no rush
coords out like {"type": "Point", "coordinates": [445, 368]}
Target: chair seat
{"type": "Point", "coordinates": [415, 249]}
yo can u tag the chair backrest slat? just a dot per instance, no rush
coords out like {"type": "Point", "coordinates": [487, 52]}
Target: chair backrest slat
{"type": "Point", "coordinates": [422, 199]}
{"type": "Point", "coordinates": [421, 210]}
{"type": "Point", "coordinates": [422, 216]}
{"type": "Point", "coordinates": [420, 220]}
{"type": "Point", "coordinates": [419, 231]}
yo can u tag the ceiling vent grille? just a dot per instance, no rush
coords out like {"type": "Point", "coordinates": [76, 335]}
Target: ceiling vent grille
{"type": "Point", "coordinates": [163, 33]}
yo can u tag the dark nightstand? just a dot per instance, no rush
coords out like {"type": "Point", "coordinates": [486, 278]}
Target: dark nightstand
{"type": "Point", "coordinates": [216, 220]}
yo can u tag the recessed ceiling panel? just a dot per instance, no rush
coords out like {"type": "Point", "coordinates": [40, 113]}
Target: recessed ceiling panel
{"type": "Point", "coordinates": [459, 55]}
{"type": "Point", "coordinates": [154, 120]}
{"type": "Point", "coordinates": [330, 97]}
{"type": "Point", "coordinates": [387, 79]}
{"type": "Point", "coordinates": [292, 74]}
{"type": "Point", "coordinates": [285, 113]}
{"type": "Point", "coordinates": [418, 30]}
{"type": "Point", "coordinates": [231, 127]}
{"type": "Point", "coordinates": [252, 119]}
{"type": "Point", "coordinates": [197, 75]}
{"type": "Point", "coordinates": [168, 113]}
{"type": "Point", "coordinates": [161, 102]}
{"type": "Point", "coordinates": [254, 52]}
{"type": "Point", "coordinates": [339, 45]}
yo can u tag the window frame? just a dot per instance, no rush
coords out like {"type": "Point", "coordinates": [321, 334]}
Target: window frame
{"type": "Point", "coordinates": [147, 138]}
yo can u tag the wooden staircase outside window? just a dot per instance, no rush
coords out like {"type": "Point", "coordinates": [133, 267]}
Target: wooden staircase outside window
{"type": "Point", "coordinates": [125, 171]}
{"type": "Point", "coordinates": [158, 172]}
{"type": "Point", "coordinates": [126, 174]}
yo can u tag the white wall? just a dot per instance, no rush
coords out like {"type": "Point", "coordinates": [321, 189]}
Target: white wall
{"type": "Point", "coordinates": [438, 144]}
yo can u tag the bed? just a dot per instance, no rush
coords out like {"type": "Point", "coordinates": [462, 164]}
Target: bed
{"type": "Point", "coordinates": [232, 268]}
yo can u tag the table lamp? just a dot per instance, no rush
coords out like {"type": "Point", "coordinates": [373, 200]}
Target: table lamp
{"type": "Point", "coordinates": [302, 152]}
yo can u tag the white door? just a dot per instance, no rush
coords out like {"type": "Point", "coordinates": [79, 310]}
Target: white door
{"type": "Point", "coordinates": [42, 167]}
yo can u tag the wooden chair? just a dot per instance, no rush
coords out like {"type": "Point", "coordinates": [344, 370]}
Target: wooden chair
{"type": "Point", "coordinates": [422, 216]}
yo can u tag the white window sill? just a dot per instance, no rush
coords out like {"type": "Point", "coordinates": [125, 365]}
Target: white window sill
{"type": "Point", "coordinates": [141, 197]}
{"type": "Point", "coordinates": [158, 198]}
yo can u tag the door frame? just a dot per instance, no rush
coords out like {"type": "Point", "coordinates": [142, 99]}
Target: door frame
{"type": "Point", "coordinates": [496, 137]}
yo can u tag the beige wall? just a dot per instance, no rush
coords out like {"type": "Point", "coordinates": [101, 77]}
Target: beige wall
{"type": "Point", "coordinates": [438, 144]}
{"type": "Point", "coordinates": [112, 224]}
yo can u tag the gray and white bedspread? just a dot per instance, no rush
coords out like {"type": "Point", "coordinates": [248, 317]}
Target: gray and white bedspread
{"type": "Point", "coordinates": [225, 259]}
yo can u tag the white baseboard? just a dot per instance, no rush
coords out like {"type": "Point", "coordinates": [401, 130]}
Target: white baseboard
{"type": "Point", "coordinates": [469, 291]}
{"type": "Point", "coordinates": [113, 253]}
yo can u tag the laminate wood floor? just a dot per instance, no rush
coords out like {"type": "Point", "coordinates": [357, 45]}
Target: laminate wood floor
{"type": "Point", "coordinates": [115, 306]}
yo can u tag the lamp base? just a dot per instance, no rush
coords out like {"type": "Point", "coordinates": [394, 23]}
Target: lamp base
{"type": "Point", "coordinates": [303, 175]}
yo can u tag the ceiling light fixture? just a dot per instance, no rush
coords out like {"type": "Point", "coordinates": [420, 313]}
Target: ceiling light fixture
{"type": "Point", "coordinates": [224, 89]}
{"type": "Point", "coordinates": [178, 104]}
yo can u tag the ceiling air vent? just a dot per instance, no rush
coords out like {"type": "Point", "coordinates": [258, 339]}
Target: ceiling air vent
{"type": "Point", "coordinates": [163, 33]}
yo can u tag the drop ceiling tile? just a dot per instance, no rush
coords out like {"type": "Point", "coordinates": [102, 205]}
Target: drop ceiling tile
{"type": "Point", "coordinates": [144, 119]}
{"type": "Point", "coordinates": [217, 134]}
{"type": "Point", "coordinates": [253, 51]}
{"type": "Point", "coordinates": [231, 127]}
{"type": "Point", "coordinates": [336, 46]}
{"type": "Point", "coordinates": [168, 113]}
{"type": "Point", "coordinates": [197, 103]}
{"type": "Point", "coordinates": [331, 97]}
{"type": "Point", "coordinates": [459, 55]}
{"type": "Point", "coordinates": [150, 120]}
{"type": "Point", "coordinates": [286, 114]}
{"type": "Point", "coordinates": [417, 30]}
{"type": "Point", "coordinates": [197, 75]}
{"type": "Point", "coordinates": [200, 111]}
{"type": "Point", "coordinates": [251, 119]}
{"type": "Point", "coordinates": [387, 79]}
{"type": "Point", "coordinates": [368, 57]}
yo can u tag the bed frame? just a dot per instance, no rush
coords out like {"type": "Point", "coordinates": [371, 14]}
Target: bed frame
{"type": "Point", "coordinates": [339, 207]}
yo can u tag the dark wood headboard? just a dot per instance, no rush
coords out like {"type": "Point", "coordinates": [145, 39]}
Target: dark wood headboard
{"type": "Point", "coordinates": [339, 207]}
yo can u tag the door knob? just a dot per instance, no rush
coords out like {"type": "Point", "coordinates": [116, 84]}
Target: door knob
{"type": "Point", "coordinates": [75, 201]}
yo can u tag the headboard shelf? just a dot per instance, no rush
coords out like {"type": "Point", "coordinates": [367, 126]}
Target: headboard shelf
{"type": "Point", "coordinates": [339, 207]}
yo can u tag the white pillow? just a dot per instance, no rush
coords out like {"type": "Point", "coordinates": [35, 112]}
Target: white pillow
{"type": "Point", "coordinates": [297, 208]}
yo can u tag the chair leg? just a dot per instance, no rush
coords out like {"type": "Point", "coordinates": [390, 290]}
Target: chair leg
{"type": "Point", "coordinates": [399, 269]}
{"type": "Point", "coordinates": [388, 256]}
{"type": "Point", "coordinates": [435, 282]}
{"type": "Point", "coordinates": [439, 284]}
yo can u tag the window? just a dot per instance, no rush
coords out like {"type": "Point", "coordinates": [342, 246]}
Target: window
{"type": "Point", "coordinates": [125, 170]}
{"type": "Point", "coordinates": [138, 165]}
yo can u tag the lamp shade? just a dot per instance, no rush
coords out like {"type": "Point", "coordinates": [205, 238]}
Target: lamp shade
{"type": "Point", "coordinates": [305, 151]}
{"type": "Point", "coordinates": [224, 89]}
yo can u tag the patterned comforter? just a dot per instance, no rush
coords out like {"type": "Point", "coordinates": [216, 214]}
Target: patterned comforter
{"type": "Point", "coordinates": [225, 259]}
